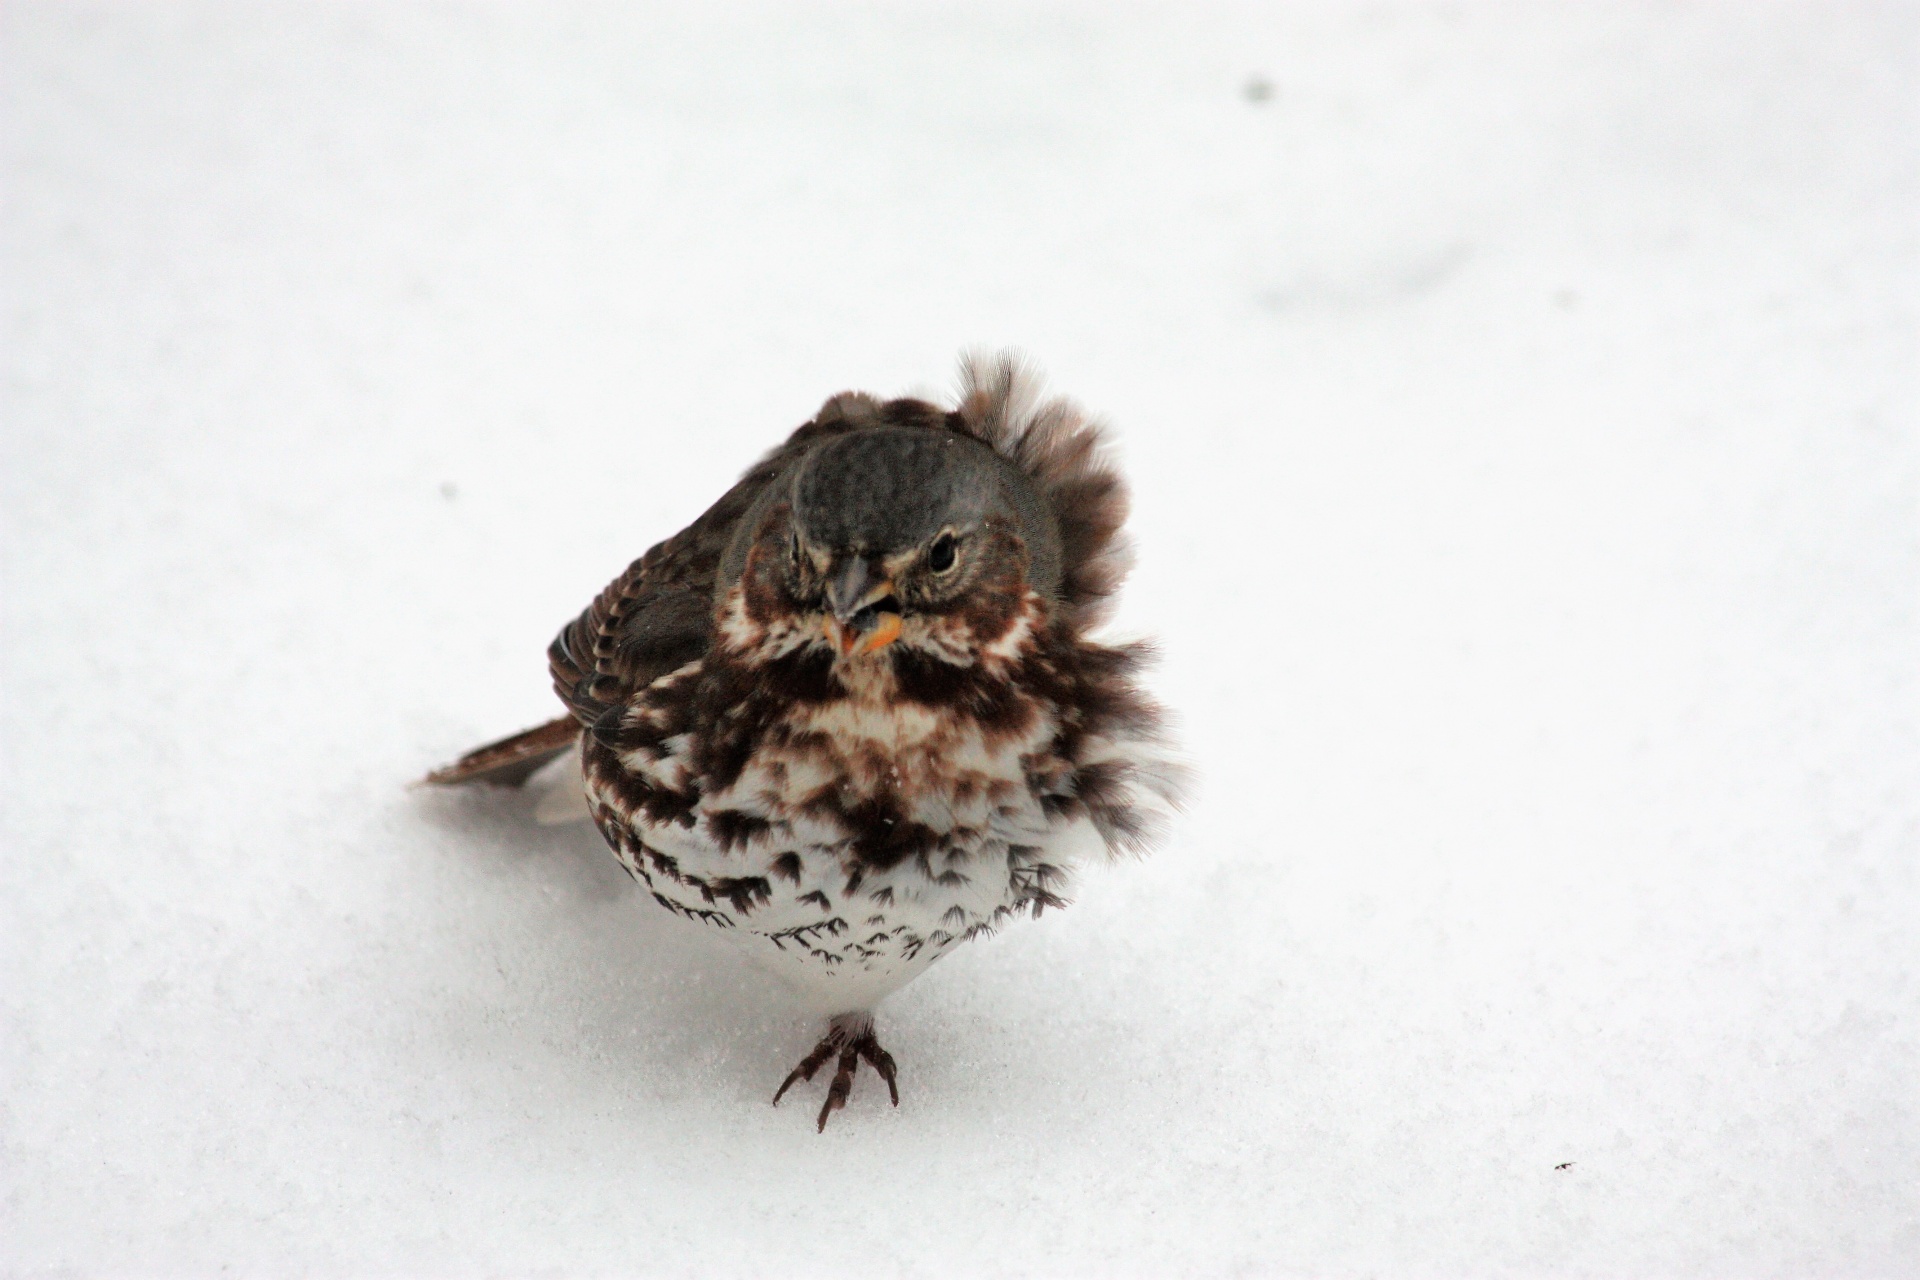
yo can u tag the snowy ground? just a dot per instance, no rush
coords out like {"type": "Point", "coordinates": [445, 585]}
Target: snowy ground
{"type": "Point", "coordinates": [1522, 407]}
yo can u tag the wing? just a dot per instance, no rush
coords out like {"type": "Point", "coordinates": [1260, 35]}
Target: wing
{"type": "Point", "coordinates": [658, 615]}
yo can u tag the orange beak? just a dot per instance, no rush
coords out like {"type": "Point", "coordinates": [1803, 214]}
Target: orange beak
{"type": "Point", "coordinates": [850, 643]}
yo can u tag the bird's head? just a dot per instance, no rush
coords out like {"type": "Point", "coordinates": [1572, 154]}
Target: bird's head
{"type": "Point", "coordinates": [907, 536]}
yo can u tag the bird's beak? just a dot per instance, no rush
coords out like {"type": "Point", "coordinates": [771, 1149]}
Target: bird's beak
{"type": "Point", "coordinates": [851, 642]}
{"type": "Point", "coordinates": [855, 627]}
{"type": "Point", "coordinates": [849, 588]}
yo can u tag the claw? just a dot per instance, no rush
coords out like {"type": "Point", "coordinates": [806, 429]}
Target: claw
{"type": "Point", "coordinates": [853, 1041]}
{"type": "Point", "coordinates": [841, 1087]}
{"type": "Point", "coordinates": [882, 1062]}
{"type": "Point", "coordinates": [808, 1065]}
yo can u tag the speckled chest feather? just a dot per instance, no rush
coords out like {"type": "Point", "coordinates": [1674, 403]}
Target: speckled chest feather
{"type": "Point", "coordinates": [851, 820]}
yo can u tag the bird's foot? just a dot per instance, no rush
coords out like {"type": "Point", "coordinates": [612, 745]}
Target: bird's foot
{"type": "Point", "coordinates": [851, 1037]}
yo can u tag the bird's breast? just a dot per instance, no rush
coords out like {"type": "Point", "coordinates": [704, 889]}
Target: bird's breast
{"type": "Point", "coordinates": [868, 790]}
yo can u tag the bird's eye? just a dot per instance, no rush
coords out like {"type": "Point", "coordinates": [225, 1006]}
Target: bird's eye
{"type": "Point", "coordinates": [940, 556]}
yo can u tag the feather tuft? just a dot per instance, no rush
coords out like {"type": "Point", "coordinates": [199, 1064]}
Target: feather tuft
{"type": "Point", "coordinates": [1066, 455]}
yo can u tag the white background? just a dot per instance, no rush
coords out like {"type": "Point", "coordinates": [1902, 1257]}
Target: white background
{"type": "Point", "coordinates": [1521, 404]}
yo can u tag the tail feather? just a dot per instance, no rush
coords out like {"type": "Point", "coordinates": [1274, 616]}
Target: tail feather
{"type": "Point", "coordinates": [510, 761]}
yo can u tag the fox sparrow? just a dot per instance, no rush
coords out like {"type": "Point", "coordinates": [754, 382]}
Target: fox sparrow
{"type": "Point", "coordinates": [851, 715]}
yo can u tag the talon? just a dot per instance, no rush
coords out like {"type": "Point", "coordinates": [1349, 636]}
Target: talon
{"type": "Point", "coordinates": [882, 1062]}
{"type": "Point", "coordinates": [853, 1047]}
{"type": "Point", "coordinates": [841, 1087]}
{"type": "Point", "coordinates": [808, 1065]}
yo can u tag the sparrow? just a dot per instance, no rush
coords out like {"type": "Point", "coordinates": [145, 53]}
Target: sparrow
{"type": "Point", "coordinates": [853, 716]}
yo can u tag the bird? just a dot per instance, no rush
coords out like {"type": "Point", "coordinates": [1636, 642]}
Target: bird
{"type": "Point", "coordinates": [854, 715]}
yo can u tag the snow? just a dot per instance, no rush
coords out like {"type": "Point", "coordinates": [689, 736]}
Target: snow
{"type": "Point", "coordinates": [1522, 407]}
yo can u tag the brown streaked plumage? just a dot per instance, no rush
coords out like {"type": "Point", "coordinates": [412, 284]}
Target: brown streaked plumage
{"type": "Point", "coordinates": [852, 714]}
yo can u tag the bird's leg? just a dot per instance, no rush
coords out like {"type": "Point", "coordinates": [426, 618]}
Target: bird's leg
{"type": "Point", "coordinates": [850, 1036]}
